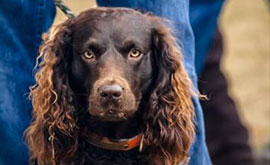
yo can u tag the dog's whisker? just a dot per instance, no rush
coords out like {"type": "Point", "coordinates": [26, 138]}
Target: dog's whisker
{"type": "Point", "coordinates": [121, 115]}
{"type": "Point", "coordinates": [111, 111]}
{"type": "Point", "coordinates": [124, 117]}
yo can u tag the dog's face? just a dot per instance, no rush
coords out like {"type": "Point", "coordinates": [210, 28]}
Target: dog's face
{"type": "Point", "coordinates": [111, 62]}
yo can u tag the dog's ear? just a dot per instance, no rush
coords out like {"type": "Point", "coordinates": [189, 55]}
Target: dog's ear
{"type": "Point", "coordinates": [52, 133]}
{"type": "Point", "coordinates": [170, 128]}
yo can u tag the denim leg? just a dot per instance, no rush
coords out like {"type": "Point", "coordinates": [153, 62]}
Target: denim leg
{"type": "Point", "coordinates": [204, 22]}
{"type": "Point", "coordinates": [178, 12]}
{"type": "Point", "coordinates": [22, 23]}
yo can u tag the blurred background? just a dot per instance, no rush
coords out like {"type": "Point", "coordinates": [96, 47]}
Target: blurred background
{"type": "Point", "coordinates": [246, 33]}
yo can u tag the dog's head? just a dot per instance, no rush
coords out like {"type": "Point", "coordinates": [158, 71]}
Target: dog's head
{"type": "Point", "coordinates": [111, 61]}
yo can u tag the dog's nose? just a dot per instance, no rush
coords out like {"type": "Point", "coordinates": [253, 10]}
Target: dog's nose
{"type": "Point", "coordinates": [110, 91]}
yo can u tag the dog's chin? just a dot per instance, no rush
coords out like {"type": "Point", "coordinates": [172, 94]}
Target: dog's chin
{"type": "Point", "coordinates": [112, 115]}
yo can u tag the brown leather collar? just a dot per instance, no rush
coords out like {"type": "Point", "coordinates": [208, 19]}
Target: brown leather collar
{"type": "Point", "coordinates": [116, 144]}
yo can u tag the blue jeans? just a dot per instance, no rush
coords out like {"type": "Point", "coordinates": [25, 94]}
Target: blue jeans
{"type": "Point", "coordinates": [22, 23]}
{"type": "Point", "coordinates": [204, 20]}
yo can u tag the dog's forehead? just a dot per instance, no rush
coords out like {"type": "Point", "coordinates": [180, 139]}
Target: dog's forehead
{"type": "Point", "coordinates": [117, 24]}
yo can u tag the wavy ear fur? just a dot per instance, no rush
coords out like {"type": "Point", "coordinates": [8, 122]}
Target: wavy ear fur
{"type": "Point", "coordinates": [53, 132]}
{"type": "Point", "coordinates": [170, 128]}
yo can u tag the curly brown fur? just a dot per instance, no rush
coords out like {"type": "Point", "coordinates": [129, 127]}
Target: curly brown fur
{"type": "Point", "coordinates": [164, 110]}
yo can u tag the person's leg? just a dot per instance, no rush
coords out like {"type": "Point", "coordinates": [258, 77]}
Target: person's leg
{"type": "Point", "coordinates": [204, 22]}
{"type": "Point", "coordinates": [22, 23]}
{"type": "Point", "coordinates": [178, 12]}
{"type": "Point", "coordinates": [226, 137]}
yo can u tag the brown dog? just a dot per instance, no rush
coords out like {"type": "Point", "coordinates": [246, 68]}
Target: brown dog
{"type": "Point", "coordinates": [111, 77]}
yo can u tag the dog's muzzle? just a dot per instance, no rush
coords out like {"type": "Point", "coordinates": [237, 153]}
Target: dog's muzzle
{"type": "Point", "coordinates": [112, 100]}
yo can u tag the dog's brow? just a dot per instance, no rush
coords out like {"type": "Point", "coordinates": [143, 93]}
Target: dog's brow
{"type": "Point", "coordinates": [92, 43]}
{"type": "Point", "coordinates": [129, 42]}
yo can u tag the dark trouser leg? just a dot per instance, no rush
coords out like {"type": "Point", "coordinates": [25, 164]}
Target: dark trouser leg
{"type": "Point", "coordinates": [226, 137]}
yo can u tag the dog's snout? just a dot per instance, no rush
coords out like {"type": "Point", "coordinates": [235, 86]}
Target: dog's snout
{"type": "Point", "coordinates": [111, 99]}
{"type": "Point", "coordinates": [110, 91]}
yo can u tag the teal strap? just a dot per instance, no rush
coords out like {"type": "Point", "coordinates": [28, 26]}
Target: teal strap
{"type": "Point", "coordinates": [60, 4]}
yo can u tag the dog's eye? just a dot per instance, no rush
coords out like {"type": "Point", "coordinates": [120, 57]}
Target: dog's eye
{"type": "Point", "coordinates": [134, 53]}
{"type": "Point", "coordinates": [88, 54]}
